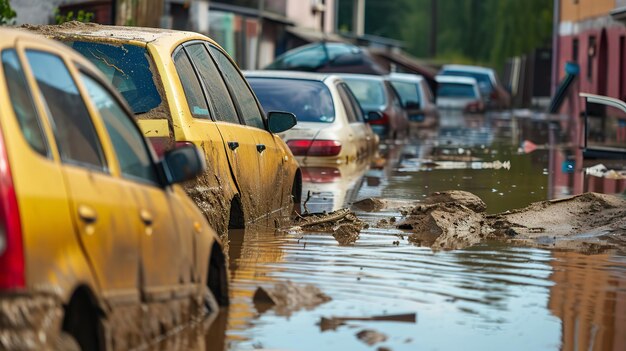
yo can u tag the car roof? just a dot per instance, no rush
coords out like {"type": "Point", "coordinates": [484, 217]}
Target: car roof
{"type": "Point", "coordinates": [145, 35]}
{"type": "Point", "coordinates": [290, 75]}
{"type": "Point", "coordinates": [361, 76]}
{"type": "Point", "coordinates": [468, 68]}
{"type": "Point", "coordinates": [8, 37]}
{"type": "Point", "coordinates": [405, 77]}
{"type": "Point", "coordinates": [456, 79]}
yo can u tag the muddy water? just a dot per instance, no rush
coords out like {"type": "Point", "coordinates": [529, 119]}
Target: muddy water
{"type": "Point", "coordinates": [489, 297]}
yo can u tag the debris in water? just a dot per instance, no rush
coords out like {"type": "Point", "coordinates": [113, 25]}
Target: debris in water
{"type": "Point", "coordinates": [287, 298]}
{"type": "Point", "coordinates": [371, 337]}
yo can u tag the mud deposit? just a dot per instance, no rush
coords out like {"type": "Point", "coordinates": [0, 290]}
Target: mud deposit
{"type": "Point", "coordinates": [588, 223]}
{"type": "Point", "coordinates": [342, 224]}
{"type": "Point", "coordinates": [287, 298]}
{"type": "Point", "coordinates": [455, 219]}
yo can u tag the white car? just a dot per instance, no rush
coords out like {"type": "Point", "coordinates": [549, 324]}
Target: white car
{"type": "Point", "coordinates": [414, 93]}
{"type": "Point", "coordinates": [459, 93]}
{"type": "Point", "coordinates": [331, 127]}
{"type": "Point", "coordinates": [493, 94]}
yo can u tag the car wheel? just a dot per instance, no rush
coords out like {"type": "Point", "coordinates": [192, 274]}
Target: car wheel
{"type": "Point", "coordinates": [82, 323]}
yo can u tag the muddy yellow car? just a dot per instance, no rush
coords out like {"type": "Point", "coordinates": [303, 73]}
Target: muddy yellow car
{"type": "Point", "coordinates": [98, 246]}
{"type": "Point", "coordinates": [183, 88]}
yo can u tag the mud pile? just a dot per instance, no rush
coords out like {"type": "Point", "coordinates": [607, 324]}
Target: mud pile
{"type": "Point", "coordinates": [287, 298]}
{"type": "Point", "coordinates": [447, 220]}
{"type": "Point", "coordinates": [343, 224]}
{"type": "Point", "coordinates": [456, 219]}
{"type": "Point", "coordinates": [589, 222]}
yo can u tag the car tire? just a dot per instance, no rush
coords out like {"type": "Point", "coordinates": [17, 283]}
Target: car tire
{"type": "Point", "coordinates": [82, 322]}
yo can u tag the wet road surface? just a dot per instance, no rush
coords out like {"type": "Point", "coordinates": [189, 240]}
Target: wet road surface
{"type": "Point", "coordinates": [491, 296]}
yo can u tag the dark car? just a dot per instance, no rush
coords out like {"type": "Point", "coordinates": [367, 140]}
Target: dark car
{"type": "Point", "coordinates": [375, 93]}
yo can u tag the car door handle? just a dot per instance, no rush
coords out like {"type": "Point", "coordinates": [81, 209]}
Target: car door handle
{"type": "Point", "coordinates": [87, 214]}
{"type": "Point", "coordinates": [146, 217]}
{"type": "Point", "coordinates": [233, 145]}
{"type": "Point", "coordinates": [260, 148]}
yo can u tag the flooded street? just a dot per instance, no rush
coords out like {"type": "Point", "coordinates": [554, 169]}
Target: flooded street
{"type": "Point", "coordinates": [492, 296]}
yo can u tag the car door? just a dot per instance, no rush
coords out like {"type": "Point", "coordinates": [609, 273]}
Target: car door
{"type": "Point", "coordinates": [166, 254]}
{"type": "Point", "coordinates": [358, 130]}
{"type": "Point", "coordinates": [270, 157]}
{"type": "Point", "coordinates": [101, 204]}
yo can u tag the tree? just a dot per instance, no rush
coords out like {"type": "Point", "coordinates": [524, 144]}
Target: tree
{"type": "Point", "coordinates": [7, 14]}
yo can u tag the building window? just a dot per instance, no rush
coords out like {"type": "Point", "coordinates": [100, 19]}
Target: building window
{"type": "Point", "coordinates": [591, 54]}
{"type": "Point", "coordinates": [575, 50]}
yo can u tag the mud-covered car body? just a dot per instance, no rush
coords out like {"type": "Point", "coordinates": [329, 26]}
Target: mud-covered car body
{"type": "Point", "coordinates": [331, 127]}
{"type": "Point", "coordinates": [92, 227]}
{"type": "Point", "coordinates": [184, 88]}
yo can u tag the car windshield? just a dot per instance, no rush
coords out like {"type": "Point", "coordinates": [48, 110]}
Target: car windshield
{"type": "Point", "coordinates": [127, 67]}
{"type": "Point", "coordinates": [309, 100]}
{"type": "Point", "coordinates": [407, 91]}
{"type": "Point", "coordinates": [483, 79]}
{"type": "Point", "coordinates": [368, 92]}
{"type": "Point", "coordinates": [456, 90]}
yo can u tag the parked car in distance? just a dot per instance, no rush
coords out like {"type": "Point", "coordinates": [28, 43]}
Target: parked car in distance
{"type": "Point", "coordinates": [183, 88]}
{"type": "Point", "coordinates": [331, 127]}
{"type": "Point", "coordinates": [375, 93]}
{"type": "Point", "coordinates": [415, 94]}
{"type": "Point", "coordinates": [493, 93]}
{"type": "Point", "coordinates": [459, 93]}
{"type": "Point", "coordinates": [92, 225]}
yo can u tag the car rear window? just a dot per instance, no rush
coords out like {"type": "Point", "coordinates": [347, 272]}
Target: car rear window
{"type": "Point", "coordinates": [407, 91]}
{"type": "Point", "coordinates": [455, 90]}
{"type": "Point", "coordinates": [309, 100]}
{"type": "Point", "coordinates": [368, 92]}
{"type": "Point", "coordinates": [484, 82]}
{"type": "Point", "coordinates": [127, 67]}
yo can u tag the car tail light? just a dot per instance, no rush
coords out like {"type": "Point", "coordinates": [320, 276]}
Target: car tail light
{"type": "Point", "coordinates": [11, 246]}
{"type": "Point", "coordinates": [474, 106]}
{"type": "Point", "coordinates": [305, 147]}
{"type": "Point", "coordinates": [320, 174]}
{"type": "Point", "coordinates": [384, 120]}
{"type": "Point", "coordinates": [160, 145]}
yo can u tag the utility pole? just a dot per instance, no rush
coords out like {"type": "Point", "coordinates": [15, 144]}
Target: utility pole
{"type": "Point", "coordinates": [433, 28]}
{"type": "Point", "coordinates": [259, 32]}
{"type": "Point", "coordinates": [358, 17]}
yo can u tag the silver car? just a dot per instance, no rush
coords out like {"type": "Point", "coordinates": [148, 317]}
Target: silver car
{"type": "Point", "coordinates": [331, 127]}
{"type": "Point", "coordinates": [459, 94]}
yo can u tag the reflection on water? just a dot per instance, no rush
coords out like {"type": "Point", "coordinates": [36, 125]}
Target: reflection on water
{"type": "Point", "coordinates": [489, 297]}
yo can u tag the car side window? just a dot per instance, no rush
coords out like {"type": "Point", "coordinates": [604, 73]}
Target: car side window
{"type": "Point", "coordinates": [22, 102]}
{"type": "Point", "coordinates": [218, 93]}
{"type": "Point", "coordinates": [73, 128]}
{"type": "Point", "coordinates": [358, 111]}
{"type": "Point", "coordinates": [243, 95]}
{"type": "Point", "coordinates": [193, 90]}
{"type": "Point", "coordinates": [350, 113]}
{"type": "Point", "coordinates": [132, 154]}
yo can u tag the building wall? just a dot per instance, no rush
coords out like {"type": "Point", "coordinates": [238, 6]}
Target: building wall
{"type": "Point", "coordinates": [574, 10]}
{"type": "Point", "coordinates": [300, 11]}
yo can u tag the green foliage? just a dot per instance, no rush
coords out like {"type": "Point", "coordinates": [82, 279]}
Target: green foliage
{"type": "Point", "coordinates": [469, 31]}
{"type": "Point", "coordinates": [81, 16]}
{"type": "Point", "coordinates": [7, 14]}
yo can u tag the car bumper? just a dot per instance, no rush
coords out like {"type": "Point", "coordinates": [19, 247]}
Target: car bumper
{"type": "Point", "coordinates": [29, 321]}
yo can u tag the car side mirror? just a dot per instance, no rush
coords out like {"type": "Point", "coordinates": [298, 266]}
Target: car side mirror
{"type": "Point", "coordinates": [373, 116]}
{"type": "Point", "coordinates": [183, 163]}
{"type": "Point", "coordinates": [278, 122]}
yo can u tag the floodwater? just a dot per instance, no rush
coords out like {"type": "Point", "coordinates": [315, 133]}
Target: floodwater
{"type": "Point", "coordinates": [492, 296]}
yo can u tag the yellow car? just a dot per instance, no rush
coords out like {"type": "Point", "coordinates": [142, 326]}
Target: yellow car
{"type": "Point", "coordinates": [96, 241]}
{"type": "Point", "coordinates": [183, 88]}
